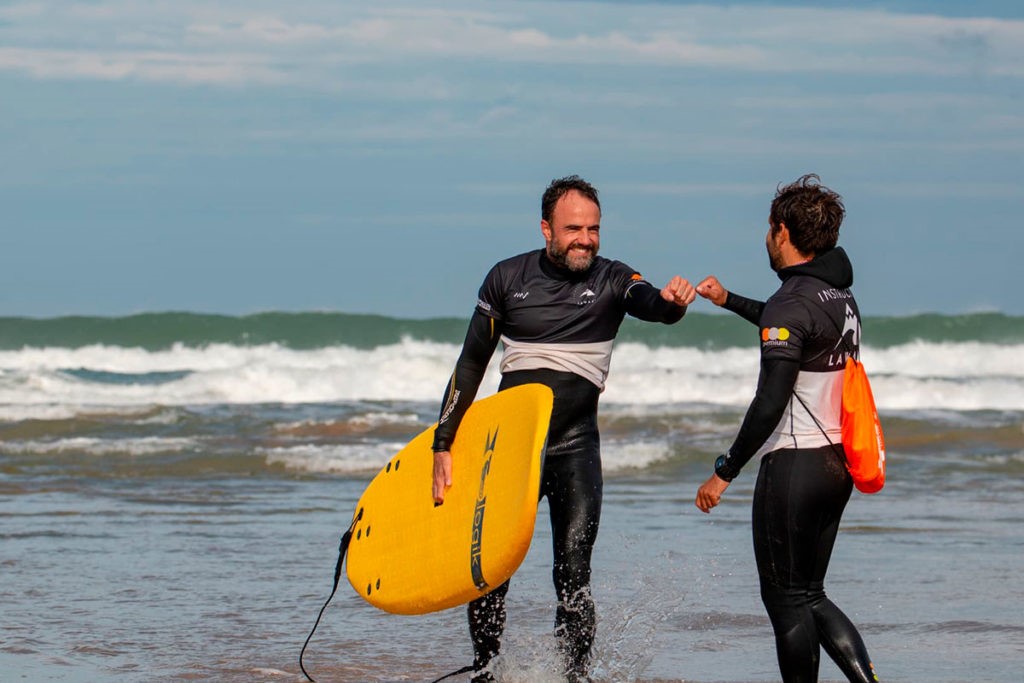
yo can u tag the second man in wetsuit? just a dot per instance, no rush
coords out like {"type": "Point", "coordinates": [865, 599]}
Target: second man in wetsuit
{"type": "Point", "coordinates": [556, 311]}
{"type": "Point", "coordinates": [806, 329]}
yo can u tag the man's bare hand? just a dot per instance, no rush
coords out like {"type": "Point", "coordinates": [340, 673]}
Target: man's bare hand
{"type": "Point", "coordinates": [442, 475]}
{"type": "Point", "coordinates": [679, 291]}
{"type": "Point", "coordinates": [710, 493]}
{"type": "Point", "coordinates": [712, 290]}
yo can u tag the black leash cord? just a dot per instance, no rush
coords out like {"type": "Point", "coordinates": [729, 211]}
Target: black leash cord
{"type": "Point", "coordinates": [346, 538]}
{"type": "Point", "coordinates": [463, 670]}
{"type": "Point", "coordinates": [342, 551]}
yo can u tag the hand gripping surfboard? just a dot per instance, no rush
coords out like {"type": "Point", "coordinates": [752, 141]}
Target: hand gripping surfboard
{"type": "Point", "coordinates": [408, 556]}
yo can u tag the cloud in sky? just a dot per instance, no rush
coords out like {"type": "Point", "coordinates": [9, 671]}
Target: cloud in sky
{"type": "Point", "coordinates": [502, 53]}
{"type": "Point", "coordinates": [308, 138]}
{"type": "Point", "coordinates": [315, 43]}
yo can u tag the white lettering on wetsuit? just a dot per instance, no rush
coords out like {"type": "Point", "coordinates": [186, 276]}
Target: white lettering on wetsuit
{"type": "Point", "coordinates": [818, 327]}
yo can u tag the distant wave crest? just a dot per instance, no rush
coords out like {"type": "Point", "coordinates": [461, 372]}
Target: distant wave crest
{"type": "Point", "coordinates": [305, 331]}
{"type": "Point", "coordinates": [52, 382]}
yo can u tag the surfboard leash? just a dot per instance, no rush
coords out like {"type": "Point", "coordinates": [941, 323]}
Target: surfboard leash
{"type": "Point", "coordinates": [346, 538]}
{"type": "Point", "coordinates": [463, 670]}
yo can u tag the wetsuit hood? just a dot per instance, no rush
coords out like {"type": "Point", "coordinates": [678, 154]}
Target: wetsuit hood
{"type": "Point", "coordinates": [832, 266]}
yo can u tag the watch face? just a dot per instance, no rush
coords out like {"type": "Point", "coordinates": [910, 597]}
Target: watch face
{"type": "Point", "coordinates": [719, 465]}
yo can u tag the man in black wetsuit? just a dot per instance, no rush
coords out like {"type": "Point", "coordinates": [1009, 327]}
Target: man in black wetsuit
{"type": "Point", "coordinates": [807, 328]}
{"type": "Point", "coordinates": [556, 311]}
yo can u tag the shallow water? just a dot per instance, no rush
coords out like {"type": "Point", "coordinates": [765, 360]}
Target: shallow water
{"type": "Point", "coordinates": [206, 554]}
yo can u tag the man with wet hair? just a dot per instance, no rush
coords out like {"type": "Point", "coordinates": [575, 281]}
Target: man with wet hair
{"type": "Point", "coordinates": [807, 330]}
{"type": "Point", "coordinates": [556, 311]}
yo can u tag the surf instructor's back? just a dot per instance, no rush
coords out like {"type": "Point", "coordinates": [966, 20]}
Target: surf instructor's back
{"type": "Point", "coordinates": [556, 311]}
{"type": "Point", "coordinates": [806, 328]}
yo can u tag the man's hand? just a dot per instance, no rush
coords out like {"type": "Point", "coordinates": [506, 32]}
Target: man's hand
{"type": "Point", "coordinates": [679, 292]}
{"type": "Point", "coordinates": [442, 474]}
{"type": "Point", "coordinates": [712, 290]}
{"type": "Point", "coordinates": [710, 493]}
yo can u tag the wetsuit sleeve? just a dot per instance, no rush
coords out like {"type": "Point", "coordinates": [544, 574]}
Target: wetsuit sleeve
{"type": "Point", "coordinates": [785, 324]}
{"type": "Point", "coordinates": [643, 300]}
{"type": "Point", "coordinates": [490, 297]}
{"type": "Point", "coordinates": [774, 390]}
{"type": "Point", "coordinates": [481, 340]}
{"type": "Point", "coordinates": [748, 309]}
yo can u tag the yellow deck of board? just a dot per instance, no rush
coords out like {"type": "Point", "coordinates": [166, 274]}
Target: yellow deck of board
{"type": "Point", "coordinates": [409, 556]}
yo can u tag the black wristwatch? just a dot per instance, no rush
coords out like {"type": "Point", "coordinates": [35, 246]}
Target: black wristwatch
{"type": "Point", "coordinates": [720, 464]}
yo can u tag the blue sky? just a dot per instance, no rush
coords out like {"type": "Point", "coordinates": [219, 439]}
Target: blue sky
{"type": "Point", "coordinates": [244, 156]}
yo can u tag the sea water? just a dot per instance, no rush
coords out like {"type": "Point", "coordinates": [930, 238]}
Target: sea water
{"type": "Point", "coordinates": [173, 488]}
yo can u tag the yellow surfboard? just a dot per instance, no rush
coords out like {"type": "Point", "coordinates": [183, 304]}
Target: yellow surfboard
{"type": "Point", "coordinates": [408, 556]}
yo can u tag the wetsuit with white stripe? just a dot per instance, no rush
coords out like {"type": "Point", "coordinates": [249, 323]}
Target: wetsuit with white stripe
{"type": "Point", "coordinates": [557, 328]}
{"type": "Point", "coordinates": [806, 329]}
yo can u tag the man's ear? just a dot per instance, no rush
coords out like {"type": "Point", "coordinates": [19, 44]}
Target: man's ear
{"type": "Point", "coordinates": [545, 229]}
{"type": "Point", "coordinates": [782, 234]}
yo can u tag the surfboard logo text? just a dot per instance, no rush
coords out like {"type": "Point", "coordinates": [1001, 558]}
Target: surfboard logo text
{"type": "Point", "coordinates": [478, 515]}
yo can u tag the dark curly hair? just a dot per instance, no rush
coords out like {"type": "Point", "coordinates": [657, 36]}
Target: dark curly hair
{"type": "Point", "coordinates": [559, 187]}
{"type": "Point", "coordinates": [811, 212]}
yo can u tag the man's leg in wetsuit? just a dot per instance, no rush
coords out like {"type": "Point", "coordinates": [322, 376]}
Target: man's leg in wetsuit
{"type": "Point", "coordinates": [486, 623]}
{"type": "Point", "coordinates": [798, 502]}
{"type": "Point", "coordinates": [573, 485]}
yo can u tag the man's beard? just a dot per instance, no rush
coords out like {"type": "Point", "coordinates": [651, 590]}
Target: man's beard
{"type": "Point", "coordinates": [576, 263]}
{"type": "Point", "coordinates": [774, 257]}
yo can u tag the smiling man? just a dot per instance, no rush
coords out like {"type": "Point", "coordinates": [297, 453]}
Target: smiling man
{"type": "Point", "coordinates": [556, 311]}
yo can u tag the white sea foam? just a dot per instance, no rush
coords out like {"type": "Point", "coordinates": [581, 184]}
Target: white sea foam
{"type": "Point", "coordinates": [947, 360]}
{"type": "Point", "coordinates": [365, 422]}
{"type": "Point", "coordinates": [410, 370]}
{"type": "Point", "coordinates": [372, 420]}
{"type": "Point", "coordinates": [345, 459]}
{"type": "Point", "coordinates": [370, 457]}
{"type": "Point", "coordinates": [99, 447]}
{"type": "Point", "coordinates": [666, 375]}
{"type": "Point", "coordinates": [38, 411]}
{"type": "Point", "coordinates": [619, 455]}
{"type": "Point", "coordinates": [48, 383]}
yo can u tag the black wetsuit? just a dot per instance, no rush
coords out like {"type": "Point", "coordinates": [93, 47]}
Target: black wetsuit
{"type": "Point", "coordinates": [557, 328]}
{"type": "Point", "coordinates": [807, 327]}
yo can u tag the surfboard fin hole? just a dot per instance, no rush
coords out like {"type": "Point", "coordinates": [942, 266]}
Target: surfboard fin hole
{"type": "Point", "coordinates": [397, 463]}
{"type": "Point", "coordinates": [388, 468]}
{"type": "Point", "coordinates": [378, 584]}
{"type": "Point", "coordinates": [367, 532]}
{"type": "Point", "coordinates": [369, 587]}
{"type": "Point", "coordinates": [359, 534]}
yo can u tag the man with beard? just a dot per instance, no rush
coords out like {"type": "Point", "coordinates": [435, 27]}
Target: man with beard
{"type": "Point", "coordinates": [556, 311]}
{"type": "Point", "coordinates": [807, 330]}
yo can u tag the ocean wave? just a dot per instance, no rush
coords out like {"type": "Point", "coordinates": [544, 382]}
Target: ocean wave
{"type": "Point", "coordinates": [312, 330]}
{"type": "Point", "coordinates": [622, 456]}
{"type": "Point", "coordinates": [150, 445]}
{"type": "Point", "coordinates": [332, 459]}
{"type": "Point", "coordinates": [369, 458]}
{"type": "Point", "coordinates": [51, 383]}
{"type": "Point", "coordinates": [374, 422]}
